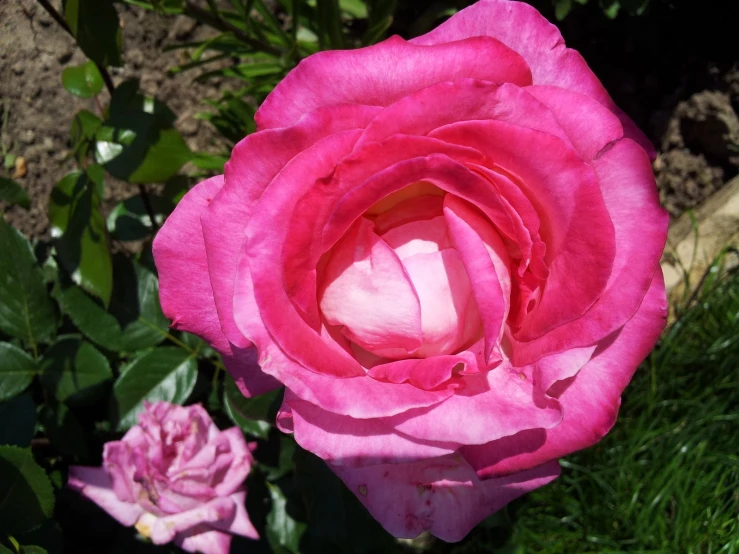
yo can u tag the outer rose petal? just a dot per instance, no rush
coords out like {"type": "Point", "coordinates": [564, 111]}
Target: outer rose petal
{"type": "Point", "coordinates": [240, 524]}
{"type": "Point", "coordinates": [94, 483]}
{"type": "Point", "coordinates": [442, 495]}
{"type": "Point", "coordinates": [254, 163]}
{"type": "Point", "coordinates": [240, 465]}
{"type": "Point", "coordinates": [379, 75]}
{"type": "Point", "coordinates": [263, 250]}
{"type": "Point", "coordinates": [589, 125]}
{"type": "Point", "coordinates": [491, 405]}
{"type": "Point", "coordinates": [525, 30]}
{"type": "Point", "coordinates": [590, 401]}
{"type": "Point", "coordinates": [185, 291]}
{"type": "Point", "coordinates": [164, 529]}
{"type": "Point", "coordinates": [204, 541]}
{"type": "Point", "coordinates": [627, 182]}
{"type": "Point", "coordinates": [440, 104]}
{"type": "Point", "coordinates": [345, 441]}
{"type": "Point", "coordinates": [580, 231]}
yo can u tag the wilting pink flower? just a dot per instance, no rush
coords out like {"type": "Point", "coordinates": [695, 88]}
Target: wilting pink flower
{"type": "Point", "coordinates": [176, 477]}
{"type": "Point", "coordinates": [446, 249]}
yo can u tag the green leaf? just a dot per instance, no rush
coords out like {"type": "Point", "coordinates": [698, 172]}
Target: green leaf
{"type": "Point", "coordinates": [380, 14]}
{"type": "Point", "coordinates": [562, 8]}
{"type": "Point", "coordinates": [130, 221]}
{"type": "Point", "coordinates": [83, 80]}
{"type": "Point", "coordinates": [79, 234]}
{"type": "Point", "coordinates": [138, 142]}
{"type": "Point", "coordinates": [32, 550]}
{"type": "Point", "coordinates": [26, 495]}
{"type": "Point", "coordinates": [82, 134]}
{"type": "Point", "coordinates": [610, 8]}
{"type": "Point", "coordinates": [16, 370]}
{"type": "Point", "coordinates": [134, 319]}
{"type": "Point", "coordinates": [355, 8]}
{"type": "Point", "coordinates": [95, 25]}
{"type": "Point", "coordinates": [13, 194]}
{"type": "Point", "coordinates": [74, 370]}
{"type": "Point", "coordinates": [26, 311]}
{"type": "Point", "coordinates": [283, 532]}
{"type": "Point", "coordinates": [330, 32]}
{"type": "Point", "coordinates": [19, 420]}
{"type": "Point", "coordinates": [248, 413]}
{"type": "Point", "coordinates": [64, 429]}
{"type": "Point", "coordinates": [165, 373]}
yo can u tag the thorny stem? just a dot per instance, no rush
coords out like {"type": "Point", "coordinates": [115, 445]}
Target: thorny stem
{"type": "Point", "coordinates": [218, 23]}
{"type": "Point", "coordinates": [63, 24]}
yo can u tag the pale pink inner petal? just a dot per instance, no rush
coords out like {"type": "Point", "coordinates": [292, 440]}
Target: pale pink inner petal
{"type": "Point", "coordinates": [368, 291]}
{"type": "Point", "coordinates": [449, 315]}
{"type": "Point", "coordinates": [418, 237]}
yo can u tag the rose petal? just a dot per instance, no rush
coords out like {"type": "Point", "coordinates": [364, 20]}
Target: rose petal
{"type": "Point", "coordinates": [366, 289]}
{"type": "Point", "coordinates": [204, 541]}
{"type": "Point", "coordinates": [566, 191]}
{"type": "Point", "coordinates": [491, 405]}
{"type": "Point", "coordinates": [425, 373]}
{"type": "Point", "coordinates": [263, 248]}
{"type": "Point", "coordinates": [442, 495]}
{"type": "Point", "coordinates": [164, 529]}
{"type": "Point", "coordinates": [440, 104]}
{"type": "Point", "coordinates": [360, 397]}
{"type": "Point", "coordinates": [450, 319]}
{"type": "Point", "coordinates": [590, 401]}
{"type": "Point", "coordinates": [380, 74]}
{"type": "Point", "coordinates": [345, 441]}
{"type": "Point", "coordinates": [522, 28]}
{"type": "Point", "coordinates": [95, 484]}
{"type": "Point", "coordinates": [628, 186]}
{"type": "Point", "coordinates": [185, 291]}
{"type": "Point", "coordinates": [239, 524]}
{"type": "Point", "coordinates": [486, 263]}
{"type": "Point", "coordinates": [425, 236]}
{"type": "Point", "coordinates": [254, 163]}
{"type": "Point", "coordinates": [240, 465]}
{"type": "Point", "coordinates": [589, 125]}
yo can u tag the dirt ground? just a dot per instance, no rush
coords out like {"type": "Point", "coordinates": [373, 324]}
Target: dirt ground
{"type": "Point", "coordinates": [690, 116]}
{"type": "Point", "coordinates": [33, 52]}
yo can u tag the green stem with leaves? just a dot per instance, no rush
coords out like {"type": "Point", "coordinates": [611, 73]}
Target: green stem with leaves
{"type": "Point", "coordinates": [63, 24]}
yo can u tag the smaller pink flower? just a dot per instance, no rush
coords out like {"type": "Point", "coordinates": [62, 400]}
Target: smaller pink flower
{"type": "Point", "coordinates": [175, 477]}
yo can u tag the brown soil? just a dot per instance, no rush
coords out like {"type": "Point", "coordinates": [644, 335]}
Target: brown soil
{"type": "Point", "coordinates": [33, 52]}
{"type": "Point", "coordinates": [700, 147]}
{"type": "Point", "coordinates": [693, 120]}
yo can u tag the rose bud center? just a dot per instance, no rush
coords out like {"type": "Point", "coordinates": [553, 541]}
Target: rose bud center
{"type": "Point", "coordinates": [396, 285]}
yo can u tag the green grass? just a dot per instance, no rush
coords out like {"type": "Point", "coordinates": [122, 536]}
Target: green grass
{"type": "Point", "coordinates": [666, 479]}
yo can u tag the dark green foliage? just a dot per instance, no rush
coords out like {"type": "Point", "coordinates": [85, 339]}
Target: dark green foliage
{"type": "Point", "coordinates": [26, 496]}
{"type": "Point", "coordinates": [12, 193]}
{"type": "Point", "coordinates": [83, 80]}
{"type": "Point", "coordinates": [26, 311]}
{"type": "Point", "coordinates": [95, 25]}
{"type": "Point", "coordinates": [79, 233]}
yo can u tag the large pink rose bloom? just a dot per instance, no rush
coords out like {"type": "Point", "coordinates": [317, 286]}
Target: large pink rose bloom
{"type": "Point", "coordinates": [446, 249]}
{"type": "Point", "coordinates": [175, 477]}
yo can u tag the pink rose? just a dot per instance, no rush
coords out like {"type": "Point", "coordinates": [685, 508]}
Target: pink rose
{"type": "Point", "coordinates": [446, 249]}
{"type": "Point", "coordinates": [175, 477]}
